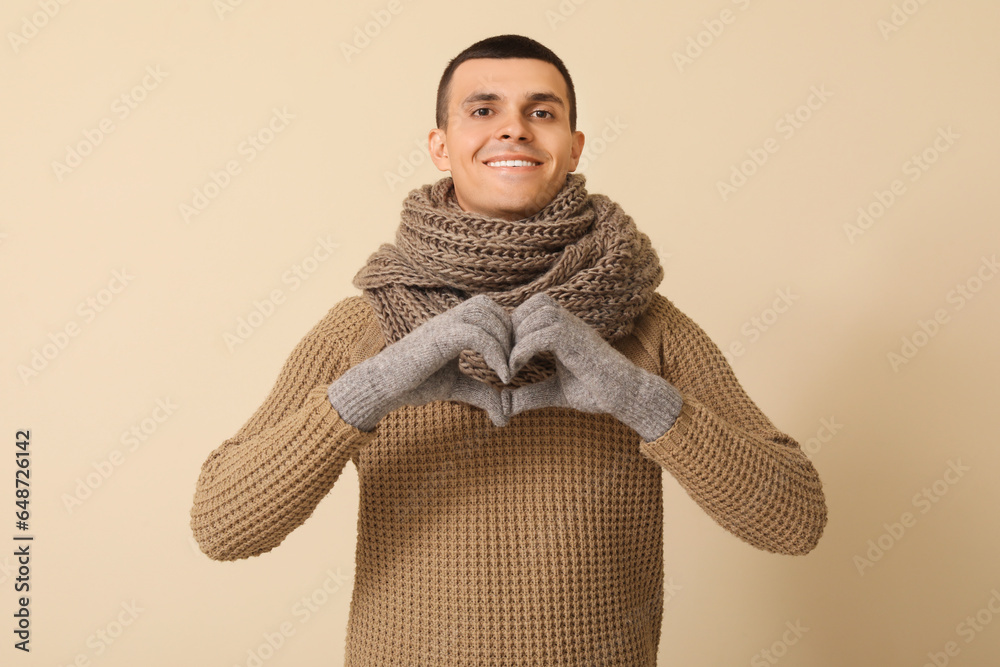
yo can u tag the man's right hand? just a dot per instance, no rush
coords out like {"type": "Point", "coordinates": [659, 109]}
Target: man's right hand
{"type": "Point", "coordinates": [423, 366]}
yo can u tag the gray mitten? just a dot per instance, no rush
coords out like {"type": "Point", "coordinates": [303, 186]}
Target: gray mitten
{"type": "Point", "coordinates": [591, 375]}
{"type": "Point", "coordinates": [423, 366]}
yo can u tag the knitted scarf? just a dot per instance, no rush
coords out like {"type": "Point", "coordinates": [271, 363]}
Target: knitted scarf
{"type": "Point", "coordinates": [581, 249]}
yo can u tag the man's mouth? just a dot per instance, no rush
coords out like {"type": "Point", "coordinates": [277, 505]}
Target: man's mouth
{"type": "Point", "coordinates": [512, 163]}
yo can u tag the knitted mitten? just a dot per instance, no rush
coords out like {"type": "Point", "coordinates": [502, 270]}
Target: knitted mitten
{"type": "Point", "coordinates": [423, 366]}
{"type": "Point", "coordinates": [590, 376]}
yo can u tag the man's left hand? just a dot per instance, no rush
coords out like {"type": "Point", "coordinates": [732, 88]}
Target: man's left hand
{"type": "Point", "coordinates": [591, 375]}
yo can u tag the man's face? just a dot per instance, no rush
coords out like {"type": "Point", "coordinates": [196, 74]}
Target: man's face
{"type": "Point", "coordinates": [506, 109]}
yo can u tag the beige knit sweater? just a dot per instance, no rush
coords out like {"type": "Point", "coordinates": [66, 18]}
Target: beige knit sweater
{"type": "Point", "coordinates": [536, 543]}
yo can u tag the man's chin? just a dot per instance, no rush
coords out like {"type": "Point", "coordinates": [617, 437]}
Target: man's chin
{"type": "Point", "coordinates": [511, 200]}
{"type": "Point", "coordinates": [527, 198]}
{"type": "Point", "coordinates": [523, 209]}
{"type": "Point", "coordinates": [509, 210]}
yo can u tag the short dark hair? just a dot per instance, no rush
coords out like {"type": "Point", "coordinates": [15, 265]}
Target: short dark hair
{"type": "Point", "coordinates": [503, 46]}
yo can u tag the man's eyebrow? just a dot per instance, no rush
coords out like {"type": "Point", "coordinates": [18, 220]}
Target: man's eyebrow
{"type": "Point", "coordinates": [531, 97]}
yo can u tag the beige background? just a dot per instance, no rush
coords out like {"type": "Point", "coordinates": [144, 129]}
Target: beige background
{"type": "Point", "coordinates": [671, 133]}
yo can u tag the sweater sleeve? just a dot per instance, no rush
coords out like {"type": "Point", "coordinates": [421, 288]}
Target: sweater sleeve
{"type": "Point", "coordinates": [265, 481]}
{"type": "Point", "coordinates": [751, 478]}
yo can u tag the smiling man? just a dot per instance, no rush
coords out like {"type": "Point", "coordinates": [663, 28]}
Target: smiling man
{"type": "Point", "coordinates": [510, 388]}
{"type": "Point", "coordinates": [507, 134]}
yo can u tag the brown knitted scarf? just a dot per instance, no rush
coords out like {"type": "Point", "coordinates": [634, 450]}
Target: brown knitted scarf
{"type": "Point", "coordinates": [583, 250]}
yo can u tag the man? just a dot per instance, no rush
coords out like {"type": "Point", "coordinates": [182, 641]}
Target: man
{"type": "Point", "coordinates": [510, 388]}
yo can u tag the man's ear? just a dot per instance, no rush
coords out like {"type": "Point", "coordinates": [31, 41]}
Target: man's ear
{"type": "Point", "coordinates": [438, 149]}
{"type": "Point", "coordinates": [576, 149]}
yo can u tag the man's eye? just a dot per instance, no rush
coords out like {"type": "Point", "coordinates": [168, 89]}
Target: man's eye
{"type": "Point", "coordinates": [475, 112]}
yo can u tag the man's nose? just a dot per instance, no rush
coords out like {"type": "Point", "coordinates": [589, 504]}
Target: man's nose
{"type": "Point", "coordinates": [515, 128]}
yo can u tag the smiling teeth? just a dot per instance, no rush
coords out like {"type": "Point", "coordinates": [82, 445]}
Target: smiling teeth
{"type": "Point", "coordinates": [512, 163]}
